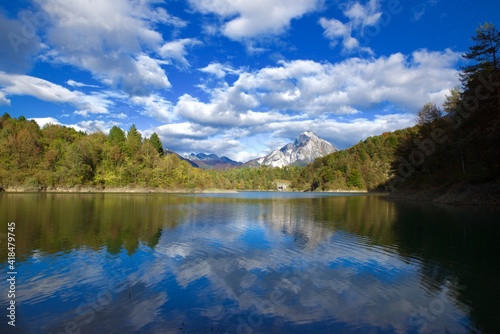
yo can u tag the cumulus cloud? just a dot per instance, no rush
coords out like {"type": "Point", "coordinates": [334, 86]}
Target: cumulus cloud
{"type": "Point", "coordinates": [253, 19]}
{"type": "Point", "coordinates": [223, 113]}
{"type": "Point", "coordinates": [177, 49]}
{"type": "Point", "coordinates": [219, 70]}
{"type": "Point", "coordinates": [155, 106]}
{"type": "Point", "coordinates": [360, 16]}
{"type": "Point", "coordinates": [306, 87]}
{"type": "Point", "coordinates": [185, 129]}
{"type": "Point", "coordinates": [114, 41]}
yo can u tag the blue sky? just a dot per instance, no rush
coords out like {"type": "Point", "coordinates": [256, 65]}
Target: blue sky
{"type": "Point", "coordinates": [233, 77]}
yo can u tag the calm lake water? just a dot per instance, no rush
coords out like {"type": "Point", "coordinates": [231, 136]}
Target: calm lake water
{"type": "Point", "coordinates": [249, 263]}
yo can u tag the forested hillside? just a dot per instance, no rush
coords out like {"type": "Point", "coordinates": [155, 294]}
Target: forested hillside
{"type": "Point", "coordinates": [365, 166]}
{"type": "Point", "coordinates": [457, 149]}
{"type": "Point", "coordinates": [57, 157]}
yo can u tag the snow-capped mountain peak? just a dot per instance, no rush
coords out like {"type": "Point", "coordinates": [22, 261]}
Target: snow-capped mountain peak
{"type": "Point", "coordinates": [305, 148]}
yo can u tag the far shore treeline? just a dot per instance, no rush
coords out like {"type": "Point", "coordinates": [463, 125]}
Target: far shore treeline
{"type": "Point", "coordinates": [458, 145]}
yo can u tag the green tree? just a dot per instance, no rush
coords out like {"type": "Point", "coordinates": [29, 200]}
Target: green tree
{"type": "Point", "coordinates": [134, 140]}
{"type": "Point", "coordinates": [156, 142]}
{"type": "Point", "coordinates": [116, 136]}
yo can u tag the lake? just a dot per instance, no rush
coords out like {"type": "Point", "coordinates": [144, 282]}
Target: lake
{"type": "Point", "coordinates": [251, 262]}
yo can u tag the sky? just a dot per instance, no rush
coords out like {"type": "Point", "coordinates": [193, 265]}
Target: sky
{"type": "Point", "coordinates": [232, 77]}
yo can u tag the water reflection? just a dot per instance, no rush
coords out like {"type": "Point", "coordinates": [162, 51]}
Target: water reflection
{"type": "Point", "coordinates": [252, 263]}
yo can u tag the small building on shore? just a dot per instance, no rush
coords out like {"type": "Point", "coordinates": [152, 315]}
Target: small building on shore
{"type": "Point", "coordinates": [282, 185]}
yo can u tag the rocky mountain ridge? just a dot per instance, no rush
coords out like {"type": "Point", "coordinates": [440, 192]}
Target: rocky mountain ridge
{"type": "Point", "coordinates": [303, 150]}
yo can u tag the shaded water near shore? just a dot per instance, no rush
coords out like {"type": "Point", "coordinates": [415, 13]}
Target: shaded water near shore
{"type": "Point", "coordinates": [250, 263]}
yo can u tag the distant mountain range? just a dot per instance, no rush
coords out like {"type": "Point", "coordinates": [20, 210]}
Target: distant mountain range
{"type": "Point", "coordinates": [306, 147]}
{"type": "Point", "coordinates": [212, 161]}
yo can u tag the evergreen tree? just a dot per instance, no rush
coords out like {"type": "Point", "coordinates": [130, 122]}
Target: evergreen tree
{"type": "Point", "coordinates": [481, 80]}
{"type": "Point", "coordinates": [116, 136]}
{"type": "Point", "coordinates": [134, 140]}
{"type": "Point", "coordinates": [156, 142]}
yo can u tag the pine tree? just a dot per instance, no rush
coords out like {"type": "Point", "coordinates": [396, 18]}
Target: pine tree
{"type": "Point", "coordinates": [481, 80]}
{"type": "Point", "coordinates": [156, 142]}
{"type": "Point", "coordinates": [116, 136]}
{"type": "Point", "coordinates": [134, 140]}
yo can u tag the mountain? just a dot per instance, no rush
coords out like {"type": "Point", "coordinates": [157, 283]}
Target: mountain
{"type": "Point", "coordinates": [212, 161]}
{"type": "Point", "coordinates": [306, 147]}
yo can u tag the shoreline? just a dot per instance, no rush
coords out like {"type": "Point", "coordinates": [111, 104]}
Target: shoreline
{"type": "Point", "coordinates": [146, 190]}
{"type": "Point", "coordinates": [117, 190]}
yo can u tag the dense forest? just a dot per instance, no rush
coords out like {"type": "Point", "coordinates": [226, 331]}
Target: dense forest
{"type": "Point", "coordinates": [365, 166]}
{"type": "Point", "coordinates": [456, 145]}
{"type": "Point", "coordinates": [58, 157]}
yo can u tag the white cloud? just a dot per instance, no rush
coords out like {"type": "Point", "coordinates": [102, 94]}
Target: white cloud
{"type": "Point", "coordinates": [16, 84]}
{"type": "Point", "coordinates": [74, 83]}
{"type": "Point", "coordinates": [219, 70]}
{"type": "Point", "coordinates": [223, 113]}
{"type": "Point", "coordinates": [185, 129]}
{"type": "Point", "coordinates": [85, 126]}
{"type": "Point", "coordinates": [3, 99]}
{"type": "Point", "coordinates": [223, 146]}
{"type": "Point", "coordinates": [177, 49]}
{"type": "Point", "coordinates": [304, 87]}
{"type": "Point", "coordinates": [93, 126]}
{"type": "Point", "coordinates": [254, 19]}
{"type": "Point", "coordinates": [150, 72]}
{"type": "Point", "coordinates": [362, 16]}
{"type": "Point", "coordinates": [359, 17]}
{"type": "Point", "coordinates": [112, 40]}
{"type": "Point", "coordinates": [42, 121]}
{"type": "Point", "coordinates": [120, 116]}
{"type": "Point", "coordinates": [155, 106]}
